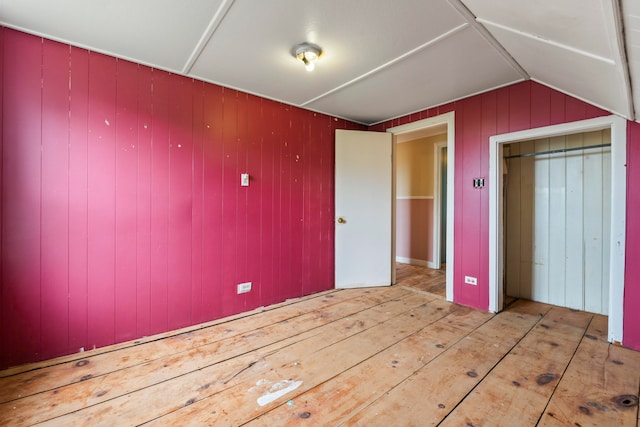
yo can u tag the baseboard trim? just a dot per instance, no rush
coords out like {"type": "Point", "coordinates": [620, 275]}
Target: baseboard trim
{"type": "Point", "coordinates": [419, 262]}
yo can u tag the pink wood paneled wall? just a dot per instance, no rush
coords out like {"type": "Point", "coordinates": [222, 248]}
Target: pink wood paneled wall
{"type": "Point", "coordinates": [414, 229]}
{"type": "Point", "coordinates": [122, 211]}
{"type": "Point", "coordinates": [521, 106]}
{"type": "Point", "coordinates": [631, 336]}
{"type": "Point", "coordinates": [517, 107]}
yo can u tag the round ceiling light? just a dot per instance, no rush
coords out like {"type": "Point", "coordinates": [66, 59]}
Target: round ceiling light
{"type": "Point", "coordinates": [308, 54]}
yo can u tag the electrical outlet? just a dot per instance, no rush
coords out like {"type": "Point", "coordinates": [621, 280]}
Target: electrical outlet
{"type": "Point", "coordinates": [470, 280]}
{"type": "Point", "coordinates": [243, 288]}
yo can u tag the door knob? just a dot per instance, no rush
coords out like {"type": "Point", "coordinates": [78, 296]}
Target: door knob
{"type": "Point", "coordinates": [341, 220]}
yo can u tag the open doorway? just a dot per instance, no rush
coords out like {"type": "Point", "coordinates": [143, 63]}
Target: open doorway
{"type": "Point", "coordinates": [557, 205]}
{"type": "Point", "coordinates": [423, 205]}
{"type": "Point", "coordinates": [615, 234]}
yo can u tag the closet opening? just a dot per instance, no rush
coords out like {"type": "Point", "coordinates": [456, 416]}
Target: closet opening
{"type": "Point", "coordinates": [557, 199]}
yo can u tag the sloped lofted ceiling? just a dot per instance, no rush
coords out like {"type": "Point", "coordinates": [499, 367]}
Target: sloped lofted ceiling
{"type": "Point", "coordinates": [382, 59]}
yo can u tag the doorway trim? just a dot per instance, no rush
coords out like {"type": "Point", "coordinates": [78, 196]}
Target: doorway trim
{"type": "Point", "coordinates": [437, 205]}
{"type": "Point", "coordinates": [618, 128]}
{"type": "Point", "coordinates": [449, 120]}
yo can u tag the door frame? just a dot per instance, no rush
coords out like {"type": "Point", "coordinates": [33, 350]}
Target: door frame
{"type": "Point", "coordinates": [437, 202]}
{"type": "Point", "coordinates": [618, 128]}
{"type": "Point", "coordinates": [449, 120]}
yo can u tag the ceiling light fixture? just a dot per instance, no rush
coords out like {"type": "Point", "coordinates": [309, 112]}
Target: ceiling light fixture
{"type": "Point", "coordinates": [308, 54]}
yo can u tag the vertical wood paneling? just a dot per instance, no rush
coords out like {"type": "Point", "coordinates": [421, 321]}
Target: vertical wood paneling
{"type": "Point", "coordinates": [313, 204]}
{"type": "Point", "coordinates": [502, 110]}
{"type": "Point", "coordinates": [128, 218]}
{"type": "Point", "coordinates": [557, 111]}
{"type": "Point", "coordinates": [240, 275]}
{"type": "Point", "coordinates": [297, 124]}
{"type": "Point", "coordinates": [160, 200]}
{"type": "Point", "coordinates": [520, 107]}
{"type": "Point", "coordinates": [512, 225]}
{"type": "Point", "coordinates": [285, 224]}
{"type": "Point", "coordinates": [197, 208]}
{"type": "Point", "coordinates": [101, 199]}
{"type": "Point", "coordinates": [230, 179]}
{"type": "Point", "coordinates": [557, 203]}
{"type": "Point", "coordinates": [267, 196]}
{"type": "Point", "coordinates": [78, 199]}
{"type": "Point", "coordinates": [126, 125]}
{"type": "Point", "coordinates": [255, 231]}
{"type": "Point", "coordinates": [488, 128]}
{"type": "Point", "coordinates": [95, 168]}
{"type": "Point", "coordinates": [180, 202]}
{"type": "Point", "coordinates": [574, 225]}
{"type": "Point", "coordinates": [595, 203]}
{"type": "Point", "coordinates": [517, 107]}
{"type": "Point", "coordinates": [575, 109]}
{"type": "Point", "coordinates": [212, 204]}
{"type": "Point", "coordinates": [278, 117]}
{"type": "Point", "coordinates": [143, 201]}
{"type": "Point", "coordinates": [527, 185]}
{"type": "Point", "coordinates": [540, 220]}
{"type": "Point", "coordinates": [54, 259]}
{"type": "Point", "coordinates": [540, 106]}
{"type": "Point", "coordinates": [467, 220]}
{"type": "Point", "coordinates": [632, 266]}
{"type": "Point", "coordinates": [21, 192]}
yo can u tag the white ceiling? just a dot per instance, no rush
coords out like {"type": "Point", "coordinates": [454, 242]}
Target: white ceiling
{"type": "Point", "coordinates": [382, 59]}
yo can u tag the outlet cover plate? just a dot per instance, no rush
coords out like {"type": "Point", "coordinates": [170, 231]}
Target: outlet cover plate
{"type": "Point", "coordinates": [470, 280]}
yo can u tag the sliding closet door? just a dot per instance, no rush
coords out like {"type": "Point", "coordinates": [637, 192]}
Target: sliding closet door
{"type": "Point", "coordinates": [558, 203]}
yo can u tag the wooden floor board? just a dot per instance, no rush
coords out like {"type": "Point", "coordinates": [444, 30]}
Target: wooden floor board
{"type": "Point", "coordinates": [306, 366]}
{"type": "Point", "coordinates": [101, 385]}
{"type": "Point", "coordinates": [422, 279]}
{"type": "Point", "coordinates": [598, 383]}
{"type": "Point", "coordinates": [384, 356]}
{"type": "Point", "coordinates": [520, 385]}
{"type": "Point", "coordinates": [429, 395]}
{"type": "Point", "coordinates": [371, 378]}
{"type": "Point", "coordinates": [22, 384]}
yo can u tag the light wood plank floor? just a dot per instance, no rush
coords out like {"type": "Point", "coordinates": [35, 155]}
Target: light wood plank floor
{"type": "Point", "coordinates": [422, 278]}
{"type": "Point", "coordinates": [386, 356]}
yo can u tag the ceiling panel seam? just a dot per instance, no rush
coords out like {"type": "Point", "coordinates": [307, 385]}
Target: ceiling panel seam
{"type": "Point", "coordinates": [390, 63]}
{"type": "Point", "coordinates": [548, 42]}
{"type": "Point", "coordinates": [482, 30]}
{"type": "Point", "coordinates": [438, 104]}
{"type": "Point", "coordinates": [207, 34]}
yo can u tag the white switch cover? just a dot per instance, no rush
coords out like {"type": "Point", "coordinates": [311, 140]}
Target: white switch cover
{"type": "Point", "coordinates": [244, 180]}
{"type": "Point", "coordinates": [243, 288]}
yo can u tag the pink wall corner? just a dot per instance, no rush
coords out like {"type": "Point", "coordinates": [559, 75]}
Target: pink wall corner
{"type": "Point", "coordinates": [631, 320]}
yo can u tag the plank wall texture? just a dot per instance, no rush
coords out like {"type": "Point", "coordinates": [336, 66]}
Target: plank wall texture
{"type": "Point", "coordinates": [122, 215]}
{"type": "Point", "coordinates": [521, 106]}
{"type": "Point", "coordinates": [631, 336]}
{"type": "Point", "coordinates": [122, 210]}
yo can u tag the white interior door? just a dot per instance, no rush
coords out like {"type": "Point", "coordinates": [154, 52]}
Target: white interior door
{"type": "Point", "coordinates": [363, 208]}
